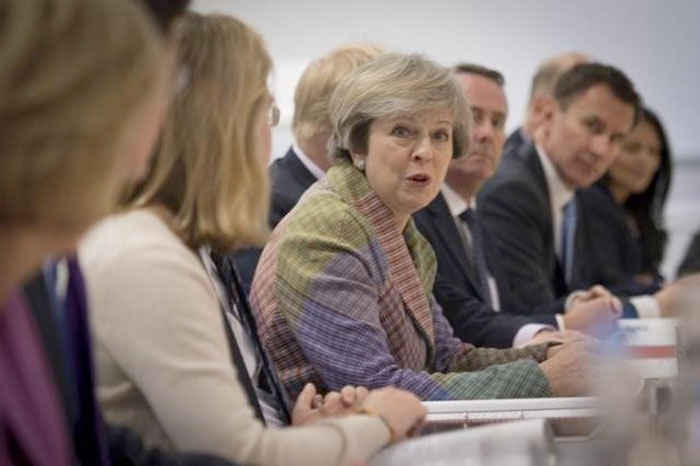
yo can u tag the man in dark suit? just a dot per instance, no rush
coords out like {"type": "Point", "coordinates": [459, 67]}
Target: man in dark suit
{"type": "Point", "coordinates": [530, 206]}
{"type": "Point", "coordinates": [471, 286]}
{"type": "Point", "coordinates": [307, 160]}
{"type": "Point", "coordinates": [542, 87]}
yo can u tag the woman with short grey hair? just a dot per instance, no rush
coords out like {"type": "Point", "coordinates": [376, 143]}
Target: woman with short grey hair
{"type": "Point", "coordinates": [385, 90]}
{"type": "Point", "coordinates": [343, 290]}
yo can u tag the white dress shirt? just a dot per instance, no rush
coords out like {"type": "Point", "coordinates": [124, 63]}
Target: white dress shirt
{"type": "Point", "coordinates": [559, 196]}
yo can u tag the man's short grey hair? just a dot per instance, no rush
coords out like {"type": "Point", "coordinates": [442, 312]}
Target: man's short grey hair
{"type": "Point", "coordinates": [394, 84]}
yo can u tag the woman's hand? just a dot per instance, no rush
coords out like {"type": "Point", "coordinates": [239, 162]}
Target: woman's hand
{"type": "Point", "coordinates": [567, 368]}
{"type": "Point", "coordinates": [402, 411]}
{"type": "Point", "coordinates": [594, 292]}
{"type": "Point", "coordinates": [310, 406]}
{"type": "Point", "coordinates": [556, 336]}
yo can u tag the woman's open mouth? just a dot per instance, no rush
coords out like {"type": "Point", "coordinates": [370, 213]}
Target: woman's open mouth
{"type": "Point", "coordinates": [419, 178]}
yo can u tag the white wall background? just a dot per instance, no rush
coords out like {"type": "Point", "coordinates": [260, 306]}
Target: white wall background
{"type": "Point", "coordinates": [657, 43]}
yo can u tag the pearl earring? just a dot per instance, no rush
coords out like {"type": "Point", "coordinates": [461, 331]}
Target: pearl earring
{"type": "Point", "coordinates": [360, 164]}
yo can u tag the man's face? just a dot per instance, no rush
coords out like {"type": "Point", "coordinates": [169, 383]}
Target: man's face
{"type": "Point", "coordinates": [490, 109]}
{"type": "Point", "coordinates": [583, 139]}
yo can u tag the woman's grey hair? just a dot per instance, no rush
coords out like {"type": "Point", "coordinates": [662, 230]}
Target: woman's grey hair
{"type": "Point", "coordinates": [394, 84]}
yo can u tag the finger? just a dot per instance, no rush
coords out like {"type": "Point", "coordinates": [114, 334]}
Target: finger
{"type": "Point", "coordinates": [580, 298]}
{"type": "Point", "coordinates": [303, 407]}
{"type": "Point", "coordinates": [573, 335]}
{"type": "Point", "coordinates": [616, 305]}
{"type": "Point", "coordinates": [361, 393]}
{"type": "Point", "coordinates": [348, 395]}
{"type": "Point", "coordinates": [600, 291]}
{"type": "Point", "coordinates": [307, 395]}
{"type": "Point", "coordinates": [552, 339]}
{"type": "Point", "coordinates": [332, 404]}
{"type": "Point", "coordinates": [317, 401]}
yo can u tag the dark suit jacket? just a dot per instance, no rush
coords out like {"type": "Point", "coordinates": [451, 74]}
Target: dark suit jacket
{"type": "Point", "coordinates": [457, 290]}
{"type": "Point", "coordinates": [617, 255]}
{"type": "Point", "coordinates": [514, 141]}
{"type": "Point", "coordinates": [515, 207]}
{"type": "Point", "coordinates": [289, 179]}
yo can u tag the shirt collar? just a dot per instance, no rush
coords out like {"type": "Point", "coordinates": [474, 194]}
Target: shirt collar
{"type": "Point", "coordinates": [559, 193]}
{"type": "Point", "coordinates": [455, 203]}
{"type": "Point", "coordinates": [310, 165]}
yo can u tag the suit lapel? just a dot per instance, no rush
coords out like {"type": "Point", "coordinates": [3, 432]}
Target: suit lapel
{"type": "Point", "coordinates": [452, 240]}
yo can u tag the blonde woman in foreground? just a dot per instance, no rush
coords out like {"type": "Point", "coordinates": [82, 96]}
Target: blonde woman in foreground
{"type": "Point", "coordinates": [177, 355]}
{"type": "Point", "coordinates": [82, 92]}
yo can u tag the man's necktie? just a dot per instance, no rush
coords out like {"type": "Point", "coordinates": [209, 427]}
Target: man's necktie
{"type": "Point", "coordinates": [568, 238]}
{"type": "Point", "coordinates": [478, 251]}
{"type": "Point", "coordinates": [269, 379]}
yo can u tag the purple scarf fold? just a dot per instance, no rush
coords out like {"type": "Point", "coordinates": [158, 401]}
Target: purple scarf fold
{"type": "Point", "coordinates": [30, 415]}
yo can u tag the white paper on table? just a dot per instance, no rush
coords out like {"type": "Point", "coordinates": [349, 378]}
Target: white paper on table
{"type": "Point", "coordinates": [521, 443]}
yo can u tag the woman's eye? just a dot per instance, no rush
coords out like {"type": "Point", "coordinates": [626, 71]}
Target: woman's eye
{"type": "Point", "coordinates": [441, 136]}
{"type": "Point", "coordinates": [400, 131]}
{"type": "Point", "coordinates": [631, 147]}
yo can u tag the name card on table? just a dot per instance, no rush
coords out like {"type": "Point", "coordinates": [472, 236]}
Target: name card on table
{"type": "Point", "coordinates": [650, 346]}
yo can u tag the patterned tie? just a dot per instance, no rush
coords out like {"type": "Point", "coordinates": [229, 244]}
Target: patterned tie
{"type": "Point", "coordinates": [568, 238]}
{"type": "Point", "coordinates": [269, 381]}
{"type": "Point", "coordinates": [478, 252]}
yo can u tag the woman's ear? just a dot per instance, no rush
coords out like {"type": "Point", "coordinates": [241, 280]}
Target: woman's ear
{"type": "Point", "coordinates": [358, 160]}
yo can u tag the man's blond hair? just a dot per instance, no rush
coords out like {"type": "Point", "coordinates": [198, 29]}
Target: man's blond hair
{"type": "Point", "coordinates": [316, 85]}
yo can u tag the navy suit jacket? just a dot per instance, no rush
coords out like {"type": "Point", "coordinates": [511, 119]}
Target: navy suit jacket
{"type": "Point", "coordinates": [514, 141]}
{"type": "Point", "coordinates": [457, 290]}
{"type": "Point", "coordinates": [289, 179]}
{"type": "Point", "coordinates": [516, 210]}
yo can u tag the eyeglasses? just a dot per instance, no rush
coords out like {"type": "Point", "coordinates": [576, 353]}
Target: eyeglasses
{"type": "Point", "coordinates": [273, 115]}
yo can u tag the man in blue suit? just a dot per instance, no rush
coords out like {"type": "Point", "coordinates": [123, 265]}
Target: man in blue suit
{"type": "Point", "coordinates": [471, 286]}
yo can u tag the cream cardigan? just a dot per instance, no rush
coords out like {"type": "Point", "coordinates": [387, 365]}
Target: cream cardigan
{"type": "Point", "coordinates": [163, 361]}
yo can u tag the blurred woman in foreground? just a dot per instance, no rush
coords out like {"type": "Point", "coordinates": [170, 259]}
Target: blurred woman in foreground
{"type": "Point", "coordinates": [82, 91]}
